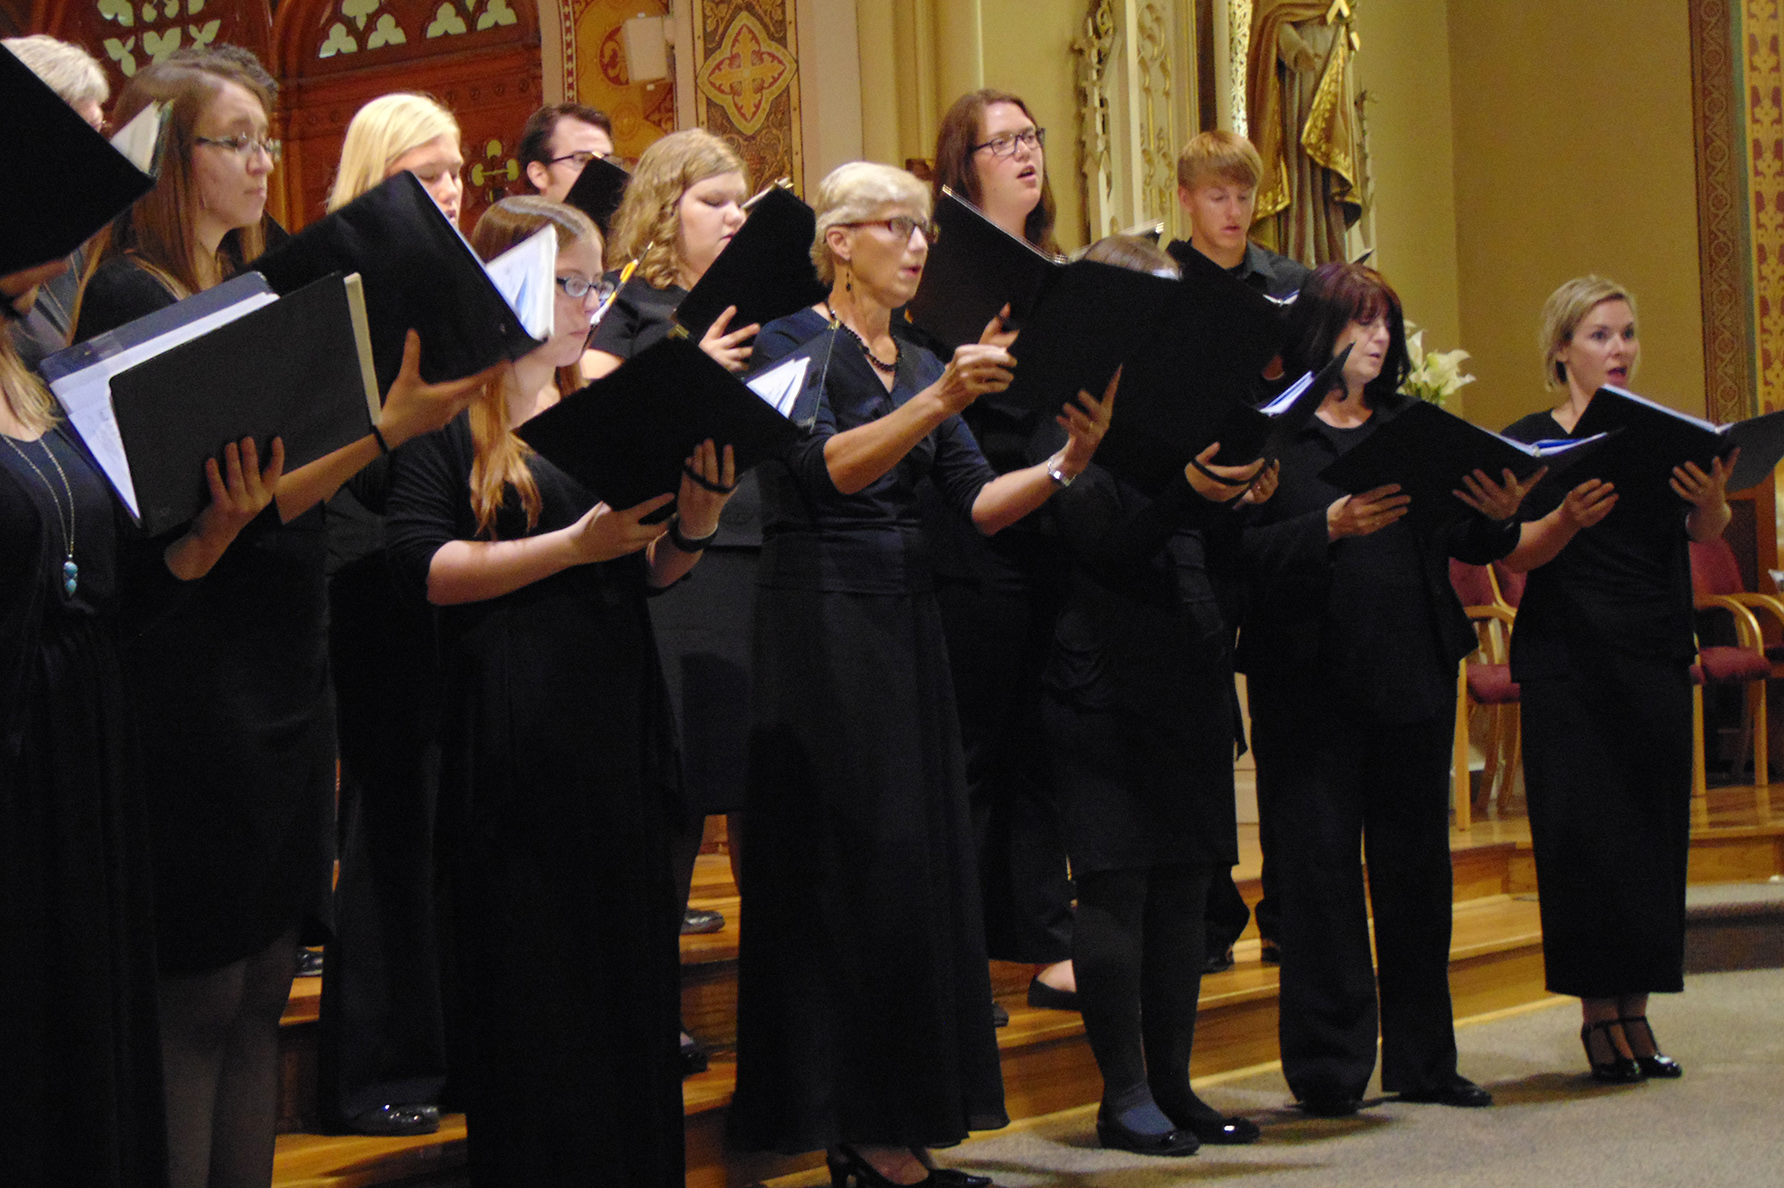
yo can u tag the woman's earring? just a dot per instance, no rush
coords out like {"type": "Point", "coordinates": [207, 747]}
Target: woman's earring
{"type": "Point", "coordinates": [848, 280]}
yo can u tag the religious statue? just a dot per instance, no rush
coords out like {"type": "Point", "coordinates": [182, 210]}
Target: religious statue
{"type": "Point", "coordinates": [1302, 112]}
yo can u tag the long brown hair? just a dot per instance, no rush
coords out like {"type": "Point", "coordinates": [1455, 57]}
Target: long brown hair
{"type": "Point", "coordinates": [158, 229]}
{"type": "Point", "coordinates": [1336, 295]}
{"type": "Point", "coordinates": [499, 456]}
{"type": "Point", "coordinates": [960, 131]}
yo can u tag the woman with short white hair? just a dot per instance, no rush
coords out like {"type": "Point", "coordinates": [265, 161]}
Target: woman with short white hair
{"type": "Point", "coordinates": [864, 1020]}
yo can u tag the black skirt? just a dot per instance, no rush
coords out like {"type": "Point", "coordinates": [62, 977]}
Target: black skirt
{"type": "Point", "coordinates": [864, 1010]}
{"type": "Point", "coordinates": [1607, 768]}
{"type": "Point", "coordinates": [703, 626]}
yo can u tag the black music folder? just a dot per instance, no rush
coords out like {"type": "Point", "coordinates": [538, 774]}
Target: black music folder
{"type": "Point", "coordinates": [1660, 438]}
{"type": "Point", "coordinates": [1427, 451]}
{"type": "Point", "coordinates": [1088, 321]}
{"type": "Point", "coordinates": [1195, 379]}
{"type": "Point", "coordinates": [626, 436]}
{"type": "Point", "coordinates": [1246, 433]}
{"type": "Point", "coordinates": [420, 274]}
{"type": "Point", "coordinates": [598, 191]}
{"type": "Point", "coordinates": [93, 179]}
{"type": "Point", "coordinates": [176, 392]}
{"type": "Point", "coordinates": [974, 269]}
{"type": "Point", "coordinates": [765, 271]}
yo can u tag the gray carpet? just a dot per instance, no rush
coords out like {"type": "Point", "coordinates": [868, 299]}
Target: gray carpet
{"type": "Point", "coordinates": [1723, 1124]}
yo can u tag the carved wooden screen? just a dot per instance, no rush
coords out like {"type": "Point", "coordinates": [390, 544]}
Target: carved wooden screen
{"type": "Point", "coordinates": [478, 57]}
{"type": "Point", "coordinates": [126, 35]}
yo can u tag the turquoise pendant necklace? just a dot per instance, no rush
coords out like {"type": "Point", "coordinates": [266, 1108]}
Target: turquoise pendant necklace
{"type": "Point", "coordinates": [71, 573]}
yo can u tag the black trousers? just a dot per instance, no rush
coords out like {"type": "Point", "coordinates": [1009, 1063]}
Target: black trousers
{"type": "Point", "coordinates": [381, 1033]}
{"type": "Point", "coordinates": [999, 633]}
{"type": "Point", "coordinates": [1338, 784]}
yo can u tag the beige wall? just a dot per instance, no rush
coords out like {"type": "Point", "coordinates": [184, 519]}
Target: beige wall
{"type": "Point", "coordinates": [1027, 51]}
{"type": "Point", "coordinates": [1573, 153]}
{"type": "Point", "coordinates": [1404, 68]}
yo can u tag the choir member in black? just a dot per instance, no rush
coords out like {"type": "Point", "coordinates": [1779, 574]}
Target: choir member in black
{"type": "Point", "coordinates": [1139, 713]}
{"type": "Point", "coordinates": [230, 691]}
{"type": "Point", "coordinates": [682, 207]}
{"type": "Point", "coordinates": [381, 1043]}
{"type": "Point", "coordinates": [1217, 177]}
{"type": "Point", "coordinates": [1602, 653]}
{"type": "Point", "coordinates": [557, 141]}
{"type": "Point", "coordinates": [999, 596]}
{"type": "Point", "coordinates": [77, 77]}
{"type": "Point", "coordinates": [1350, 647]}
{"type": "Point", "coordinates": [559, 777]}
{"type": "Point", "coordinates": [864, 1023]}
{"type": "Point", "coordinates": [82, 1093]}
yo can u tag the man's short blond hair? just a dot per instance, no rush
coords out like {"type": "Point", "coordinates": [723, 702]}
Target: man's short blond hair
{"type": "Point", "coordinates": [1218, 155]}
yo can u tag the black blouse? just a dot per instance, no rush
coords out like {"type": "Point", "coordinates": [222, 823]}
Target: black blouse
{"type": "Point", "coordinates": [1370, 620]}
{"type": "Point", "coordinates": [871, 542]}
{"type": "Point", "coordinates": [1622, 584]}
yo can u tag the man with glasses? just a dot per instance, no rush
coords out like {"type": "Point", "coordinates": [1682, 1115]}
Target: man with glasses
{"type": "Point", "coordinates": [558, 141]}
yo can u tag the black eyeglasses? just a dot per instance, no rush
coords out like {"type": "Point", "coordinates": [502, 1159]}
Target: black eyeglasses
{"type": "Point", "coordinates": [578, 288]}
{"type": "Point", "coordinates": [1005, 145]}
{"type": "Point", "coordinates": [580, 157]}
{"type": "Point", "coordinates": [902, 226]}
{"type": "Point", "coordinates": [245, 146]}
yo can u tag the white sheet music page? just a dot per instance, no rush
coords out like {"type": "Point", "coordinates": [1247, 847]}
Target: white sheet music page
{"type": "Point", "coordinates": [780, 386]}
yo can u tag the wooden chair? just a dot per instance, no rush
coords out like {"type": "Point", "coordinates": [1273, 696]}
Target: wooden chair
{"type": "Point", "coordinates": [1716, 584]}
{"type": "Point", "coordinates": [1484, 684]}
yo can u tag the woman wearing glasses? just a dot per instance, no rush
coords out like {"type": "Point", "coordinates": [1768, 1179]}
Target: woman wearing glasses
{"type": "Point", "coordinates": [682, 207]}
{"type": "Point", "coordinates": [558, 764]}
{"type": "Point", "coordinates": [381, 1043]}
{"type": "Point", "coordinates": [230, 690]}
{"type": "Point", "coordinates": [864, 1022]}
{"type": "Point", "coordinates": [1000, 596]}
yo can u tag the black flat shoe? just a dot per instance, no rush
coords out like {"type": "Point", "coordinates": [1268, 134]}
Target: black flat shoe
{"type": "Point", "coordinates": [694, 1058]}
{"type": "Point", "coordinates": [1269, 952]}
{"type": "Point", "coordinates": [1225, 1130]}
{"type": "Point", "coordinates": [1657, 1065]}
{"type": "Point", "coordinates": [1329, 1106]}
{"type": "Point", "coordinates": [953, 1177]}
{"type": "Point", "coordinates": [309, 963]}
{"type": "Point", "coordinates": [849, 1170]}
{"type": "Point", "coordinates": [1116, 1137]}
{"type": "Point", "coordinates": [1000, 1016]}
{"type": "Point", "coordinates": [1219, 962]}
{"type": "Point", "coordinates": [1462, 1093]}
{"type": "Point", "coordinates": [396, 1121]}
{"type": "Point", "coordinates": [1047, 998]}
{"type": "Point", "coordinates": [698, 920]}
{"type": "Point", "coordinates": [1619, 1069]}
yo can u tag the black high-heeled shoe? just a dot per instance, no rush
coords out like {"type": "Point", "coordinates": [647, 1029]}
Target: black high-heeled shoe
{"type": "Point", "coordinates": [849, 1170]}
{"type": "Point", "coordinates": [1658, 1064]}
{"type": "Point", "coordinates": [1619, 1069]}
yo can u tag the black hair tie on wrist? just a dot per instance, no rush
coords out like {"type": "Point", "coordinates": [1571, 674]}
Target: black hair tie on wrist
{"type": "Point", "coordinates": [702, 481]}
{"type": "Point", "coordinates": [688, 544]}
{"type": "Point", "coordinates": [383, 446]}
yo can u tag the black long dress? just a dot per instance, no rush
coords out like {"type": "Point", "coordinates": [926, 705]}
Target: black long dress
{"type": "Point", "coordinates": [557, 785]}
{"type": "Point", "coordinates": [81, 1092]}
{"type": "Point", "coordinates": [231, 699]}
{"type": "Point", "coordinates": [864, 998]}
{"type": "Point", "coordinates": [1602, 654]}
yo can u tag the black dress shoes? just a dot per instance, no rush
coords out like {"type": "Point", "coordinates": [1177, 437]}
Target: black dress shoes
{"type": "Point", "coordinates": [1334, 1105]}
{"type": "Point", "coordinates": [396, 1121]}
{"type": "Point", "coordinates": [1460, 1092]}
{"type": "Point", "coordinates": [1218, 1130]}
{"type": "Point", "coordinates": [1269, 952]}
{"type": "Point", "coordinates": [1045, 997]}
{"type": "Point", "coordinates": [1116, 1137]}
{"type": "Point", "coordinates": [953, 1177]}
{"type": "Point", "coordinates": [697, 920]}
{"type": "Point", "coordinates": [694, 1058]}
{"type": "Point", "coordinates": [1657, 1064]}
{"type": "Point", "coordinates": [1219, 961]}
{"type": "Point", "coordinates": [1000, 1015]}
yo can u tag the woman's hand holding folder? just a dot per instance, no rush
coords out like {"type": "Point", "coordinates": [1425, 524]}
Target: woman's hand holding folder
{"type": "Point", "coordinates": [978, 367]}
{"type": "Point", "coordinates": [240, 491]}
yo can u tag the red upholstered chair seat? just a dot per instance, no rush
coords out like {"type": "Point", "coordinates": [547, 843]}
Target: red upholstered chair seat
{"type": "Point", "coordinates": [1721, 664]}
{"type": "Point", "coordinates": [1491, 684]}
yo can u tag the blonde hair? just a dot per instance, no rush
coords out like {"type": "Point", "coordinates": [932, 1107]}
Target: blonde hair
{"type": "Point", "coordinates": [647, 225]}
{"type": "Point", "coordinates": [382, 131]}
{"type": "Point", "coordinates": [1562, 314]}
{"type": "Point", "coordinates": [24, 393]}
{"type": "Point", "coordinates": [158, 230]}
{"type": "Point", "coordinates": [68, 70]}
{"type": "Point", "coordinates": [1134, 254]}
{"type": "Point", "coordinates": [499, 458]}
{"type": "Point", "coordinates": [1218, 153]}
{"type": "Point", "coordinates": [855, 193]}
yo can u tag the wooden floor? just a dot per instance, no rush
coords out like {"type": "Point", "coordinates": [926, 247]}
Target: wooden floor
{"type": "Point", "coordinates": [1495, 963]}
